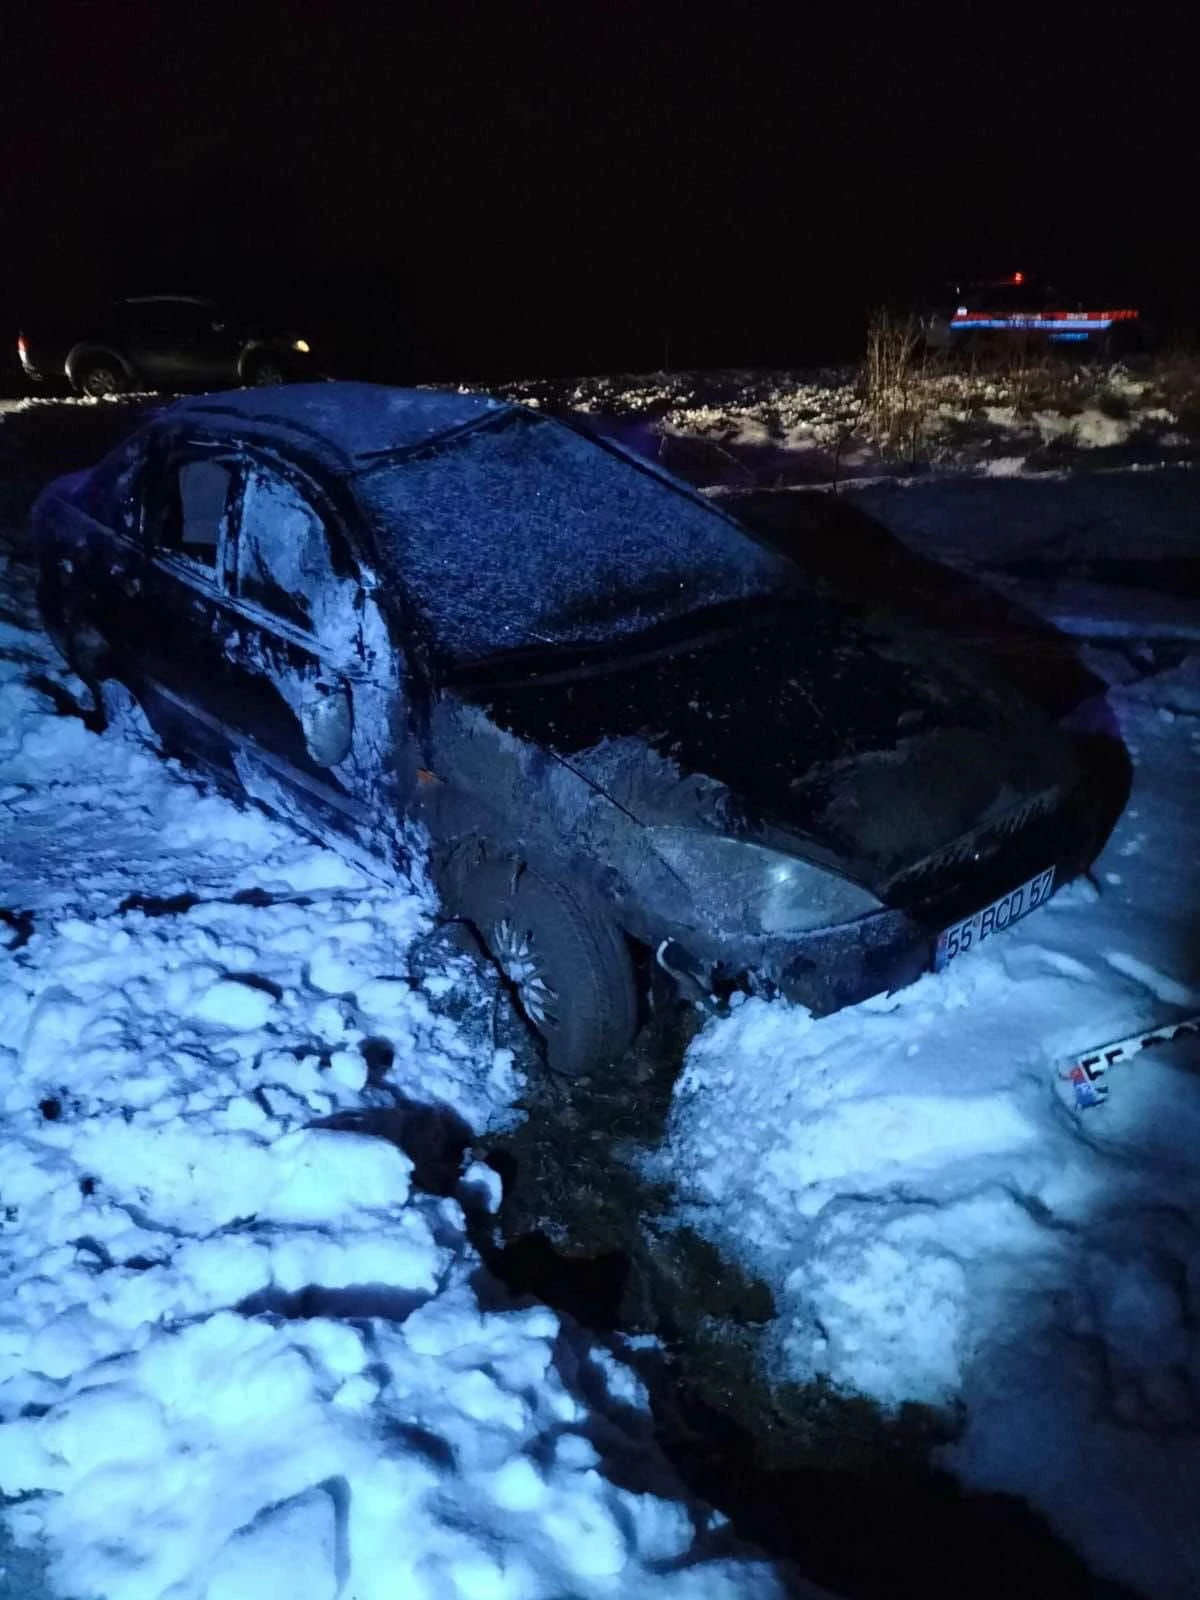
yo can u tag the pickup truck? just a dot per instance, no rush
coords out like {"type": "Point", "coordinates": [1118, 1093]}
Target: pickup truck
{"type": "Point", "coordinates": [160, 342]}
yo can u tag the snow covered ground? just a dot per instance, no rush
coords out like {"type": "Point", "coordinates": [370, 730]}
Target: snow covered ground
{"type": "Point", "coordinates": [246, 1349]}
{"type": "Point", "coordinates": [742, 428]}
{"type": "Point", "coordinates": [937, 1219]}
{"type": "Point", "coordinates": [244, 1354]}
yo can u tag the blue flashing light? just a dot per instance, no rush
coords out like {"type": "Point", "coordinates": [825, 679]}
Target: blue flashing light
{"type": "Point", "coordinates": [1054, 326]}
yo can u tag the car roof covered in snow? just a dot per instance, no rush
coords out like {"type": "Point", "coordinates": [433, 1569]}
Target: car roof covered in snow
{"type": "Point", "coordinates": [356, 421]}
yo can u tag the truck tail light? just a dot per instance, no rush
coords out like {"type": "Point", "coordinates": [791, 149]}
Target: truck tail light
{"type": "Point", "coordinates": [22, 346]}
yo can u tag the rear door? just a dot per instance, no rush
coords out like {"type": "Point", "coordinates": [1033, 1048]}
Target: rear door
{"type": "Point", "coordinates": [178, 624]}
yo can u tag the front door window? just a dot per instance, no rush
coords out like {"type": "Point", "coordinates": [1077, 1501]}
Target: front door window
{"type": "Point", "coordinates": [287, 565]}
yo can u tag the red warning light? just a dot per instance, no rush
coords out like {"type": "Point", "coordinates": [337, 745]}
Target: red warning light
{"type": "Point", "coordinates": [1018, 277]}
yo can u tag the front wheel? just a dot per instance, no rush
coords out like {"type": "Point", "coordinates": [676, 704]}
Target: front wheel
{"type": "Point", "coordinates": [566, 963]}
{"type": "Point", "coordinates": [265, 372]}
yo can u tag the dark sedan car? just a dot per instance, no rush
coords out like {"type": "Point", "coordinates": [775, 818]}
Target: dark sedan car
{"type": "Point", "coordinates": [616, 720]}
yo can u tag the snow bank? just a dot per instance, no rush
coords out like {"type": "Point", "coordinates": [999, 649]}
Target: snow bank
{"type": "Point", "coordinates": [740, 429]}
{"type": "Point", "coordinates": [242, 1352]}
{"type": "Point", "coordinates": [939, 1224]}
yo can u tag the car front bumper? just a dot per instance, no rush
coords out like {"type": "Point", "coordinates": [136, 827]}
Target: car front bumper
{"type": "Point", "coordinates": [888, 949]}
{"type": "Point", "coordinates": [823, 971]}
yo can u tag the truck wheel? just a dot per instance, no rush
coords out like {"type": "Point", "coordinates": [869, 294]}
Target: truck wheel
{"type": "Point", "coordinates": [565, 962]}
{"type": "Point", "coordinates": [98, 376]}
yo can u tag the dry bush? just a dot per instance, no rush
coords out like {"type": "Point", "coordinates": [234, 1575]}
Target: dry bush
{"type": "Point", "coordinates": [1043, 381]}
{"type": "Point", "coordinates": [898, 388]}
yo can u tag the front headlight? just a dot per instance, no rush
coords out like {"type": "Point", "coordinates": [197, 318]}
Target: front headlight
{"type": "Point", "coordinates": [301, 345]}
{"type": "Point", "coordinates": [756, 890]}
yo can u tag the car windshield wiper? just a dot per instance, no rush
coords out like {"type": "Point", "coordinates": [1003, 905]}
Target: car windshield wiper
{"type": "Point", "coordinates": [666, 637]}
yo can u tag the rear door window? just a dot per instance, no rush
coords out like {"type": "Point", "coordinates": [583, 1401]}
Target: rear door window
{"type": "Point", "coordinates": [192, 516]}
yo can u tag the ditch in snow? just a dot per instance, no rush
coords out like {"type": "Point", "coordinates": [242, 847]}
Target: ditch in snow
{"type": "Point", "coordinates": [822, 1480]}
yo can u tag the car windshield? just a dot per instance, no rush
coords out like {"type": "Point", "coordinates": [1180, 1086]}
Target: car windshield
{"type": "Point", "coordinates": [524, 532]}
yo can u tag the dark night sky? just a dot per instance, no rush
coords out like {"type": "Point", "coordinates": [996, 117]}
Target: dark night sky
{"type": "Point", "coordinates": [590, 184]}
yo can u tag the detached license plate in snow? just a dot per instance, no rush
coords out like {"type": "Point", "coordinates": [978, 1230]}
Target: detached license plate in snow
{"type": "Point", "coordinates": [960, 937]}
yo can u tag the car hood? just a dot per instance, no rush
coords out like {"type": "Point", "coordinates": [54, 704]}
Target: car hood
{"type": "Point", "coordinates": [849, 737]}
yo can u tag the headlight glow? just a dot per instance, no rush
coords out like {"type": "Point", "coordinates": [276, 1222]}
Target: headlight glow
{"type": "Point", "coordinates": [761, 891]}
{"type": "Point", "coordinates": [302, 345]}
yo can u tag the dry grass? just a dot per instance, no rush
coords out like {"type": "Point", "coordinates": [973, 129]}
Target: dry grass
{"type": "Point", "coordinates": [897, 389]}
{"type": "Point", "coordinates": [916, 404]}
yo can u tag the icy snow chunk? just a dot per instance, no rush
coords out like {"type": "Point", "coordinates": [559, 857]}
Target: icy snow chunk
{"type": "Point", "coordinates": [241, 1007]}
{"type": "Point", "coordinates": [575, 1452]}
{"type": "Point", "coordinates": [329, 972]}
{"type": "Point", "coordinates": [889, 1131]}
{"type": "Point", "coordinates": [328, 1174]}
{"type": "Point", "coordinates": [288, 1553]}
{"type": "Point", "coordinates": [384, 997]}
{"type": "Point", "coordinates": [518, 1486]}
{"type": "Point", "coordinates": [478, 1573]}
{"type": "Point", "coordinates": [204, 1179]}
{"type": "Point", "coordinates": [586, 1533]}
{"type": "Point", "coordinates": [482, 1399]}
{"type": "Point", "coordinates": [322, 869]}
{"type": "Point", "coordinates": [224, 1269]}
{"type": "Point", "coordinates": [481, 1188]}
{"type": "Point", "coordinates": [621, 1382]}
{"type": "Point", "coordinates": [376, 1258]}
{"type": "Point", "coordinates": [106, 1424]}
{"type": "Point", "coordinates": [26, 1462]}
{"type": "Point", "coordinates": [65, 1345]}
{"type": "Point", "coordinates": [894, 1316]}
{"type": "Point", "coordinates": [337, 1345]}
{"type": "Point", "coordinates": [57, 1021]}
{"type": "Point", "coordinates": [244, 1114]}
{"type": "Point", "coordinates": [349, 1068]}
{"type": "Point", "coordinates": [356, 1394]}
{"type": "Point", "coordinates": [331, 1021]}
{"type": "Point", "coordinates": [662, 1529]}
{"type": "Point", "coordinates": [454, 1321]}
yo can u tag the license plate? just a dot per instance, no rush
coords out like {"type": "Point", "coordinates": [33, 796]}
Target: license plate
{"type": "Point", "coordinates": [960, 937]}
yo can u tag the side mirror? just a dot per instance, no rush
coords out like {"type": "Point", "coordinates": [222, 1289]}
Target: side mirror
{"type": "Point", "coordinates": [327, 718]}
